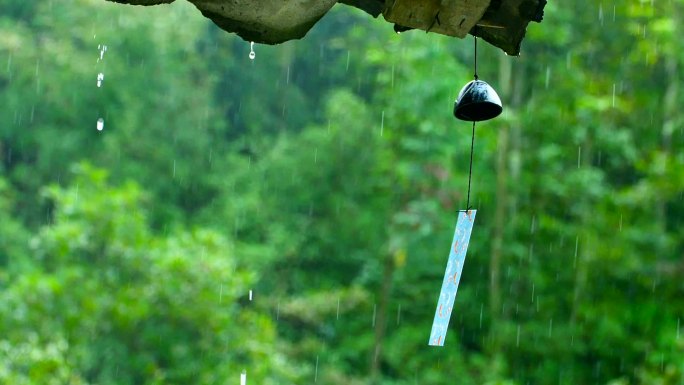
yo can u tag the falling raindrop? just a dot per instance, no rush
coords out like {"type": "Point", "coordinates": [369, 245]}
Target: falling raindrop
{"type": "Point", "coordinates": [481, 313]}
{"type": "Point", "coordinates": [613, 95]}
{"type": "Point", "coordinates": [579, 156]}
{"type": "Point", "coordinates": [338, 309]}
{"type": "Point", "coordinates": [678, 322]}
{"type": "Point", "coordinates": [103, 49]}
{"type": "Point", "coordinates": [316, 372]}
{"type": "Point", "coordinates": [399, 314]}
{"type": "Point", "coordinates": [620, 222]}
{"type": "Point", "coordinates": [382, 123]}
{"type": "Point", "coordinates": [374, 313]}
{"type": "Point", "coordinates": [392, 77]}
{"type": "Point", "coordinates": [548, 77]}
{"type": "Point", "coordinates": [250, 295]}
{"type": "Point", "coordinates": [243, 378]}
{"type": "Point", "coordinates": [100, 79]}
{"type": "Point", "coordinates": [532, 225]}
{"type": "Point", "coordinates": [252, 54]}
{"type": "Point", "coordinates": [574, 264]}
{"type": "Point", "coordinates": [517, 338]}
{"type": "Point", "coordinates": [100, 124]}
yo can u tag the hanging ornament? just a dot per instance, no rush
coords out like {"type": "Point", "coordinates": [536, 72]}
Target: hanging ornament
{"type": "Point", "coordinates": [452, 276]}
{"type": "Point", "coordinates": [476, 102]}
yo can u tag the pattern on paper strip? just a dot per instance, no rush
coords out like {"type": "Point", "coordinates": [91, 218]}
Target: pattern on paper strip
{"type": "Point", "coordinates": [452, 276]}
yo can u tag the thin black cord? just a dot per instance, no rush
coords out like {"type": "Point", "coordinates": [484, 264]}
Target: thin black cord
{"type": "Point", "coordinates": [475, 31]}
{"type": "Point", "coordinates": [470, 173]}
{"type": "Point", "coordinates": [472, 143]}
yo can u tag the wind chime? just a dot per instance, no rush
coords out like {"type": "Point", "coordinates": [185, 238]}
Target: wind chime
{"type": "Point", "coordinates": [476, 102]}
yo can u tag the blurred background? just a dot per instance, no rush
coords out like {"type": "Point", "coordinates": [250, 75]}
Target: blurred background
{"type": "Point", "coordinates": [172, 212]}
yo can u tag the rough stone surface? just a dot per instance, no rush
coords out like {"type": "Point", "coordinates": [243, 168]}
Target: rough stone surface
{"type": "Point", "coordinates": [447, 17]}
{"type": "Point", "coordinates": [265, 21]}
{"type": "Point", "coordinates": [504, 24]}
{"type": "Point", "coordinates": [500, 22]}
{"type": "Point", "coordinates": [143, 2]}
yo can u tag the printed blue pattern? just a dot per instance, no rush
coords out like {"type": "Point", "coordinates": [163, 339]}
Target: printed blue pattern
{"type": "Point", "coordinates": [452, 276]}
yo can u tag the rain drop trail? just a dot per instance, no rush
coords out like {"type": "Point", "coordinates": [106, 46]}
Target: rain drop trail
{"type": "Point", "coordinates": [250, 295]}
{"type": "Point", "coordinates": [374, 313]}
{"type": "Point", "coordinates": [252, 54]}
{"type": "Point", "coordinates": [338, 308]}
{"type": "Point", "coordinates": [678, 322]}
{"type": "Point", "coordinates": [481, 313]}
{"type": "Point", "coordinates": [392, 77]}
{"type": "Point", "coordinates": [100, 124]}
{"type": "Point", "coordinates": [243, 378]}
{"type": "Point", "coordinates": [579, 156]}
{"type": "Point", "coordinates": [574, 263]}
{"type": "Point", "coordinates": [100, 79]}
{"type": "Point", "coordinates": [548, 77]}
{"type": "Point", "coordinates": [316, 372]}
{"type": "Point", "coordinates": [399, 314]}
{"type": "Point", "coordinates": [103, 49]}
{"type": "Point", "coordinates": [620, 222]}
{"type": "Point", "coordinates": [382, 123]}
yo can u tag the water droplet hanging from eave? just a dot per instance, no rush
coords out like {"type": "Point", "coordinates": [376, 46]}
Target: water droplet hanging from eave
{"type": "Point", "coordinates": [252, 54]}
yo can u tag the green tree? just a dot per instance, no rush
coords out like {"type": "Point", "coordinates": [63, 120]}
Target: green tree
{"type": "Point", "coordinates": [111, 303]}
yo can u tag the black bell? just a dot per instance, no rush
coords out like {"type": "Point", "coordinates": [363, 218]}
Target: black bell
{"type": "Point", "coordinates": [476, 102]}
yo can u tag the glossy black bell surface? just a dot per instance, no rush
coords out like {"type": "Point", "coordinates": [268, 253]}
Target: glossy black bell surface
{"type": "Point", "coordinates": [476, 102]}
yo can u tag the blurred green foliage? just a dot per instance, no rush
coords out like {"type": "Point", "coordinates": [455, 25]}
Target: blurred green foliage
{"type": "Point", "coordinates": [289, 216]}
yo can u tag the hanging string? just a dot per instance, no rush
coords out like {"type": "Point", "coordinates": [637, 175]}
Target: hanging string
{"type": "Point", "coordinates": [472, 143]}
{"type": "Point", "coordinates": [470, 172]}
{"type": "Point", "coordinates": [475, 36]}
